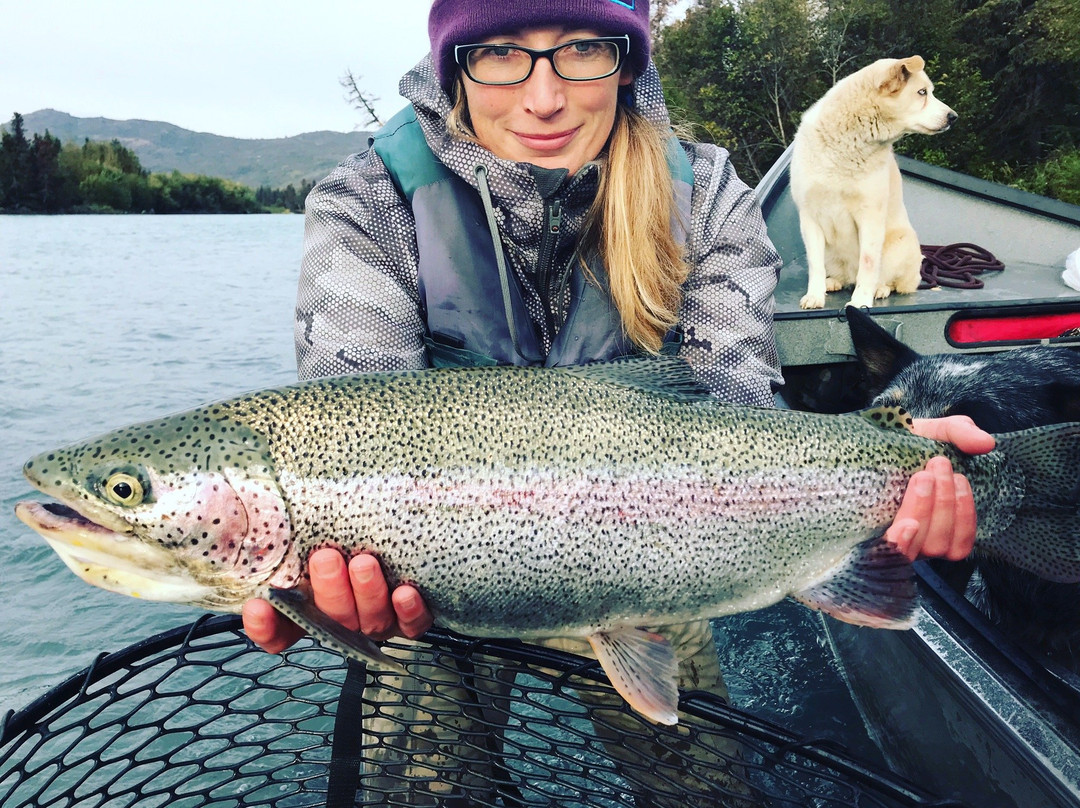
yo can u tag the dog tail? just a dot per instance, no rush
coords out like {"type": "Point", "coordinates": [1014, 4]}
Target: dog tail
{"type": "Point", "coordinates": [1027, 497]}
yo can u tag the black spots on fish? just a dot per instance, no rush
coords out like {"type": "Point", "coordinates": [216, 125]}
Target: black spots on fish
{"type": "Point", "coordinates": [889, 417]}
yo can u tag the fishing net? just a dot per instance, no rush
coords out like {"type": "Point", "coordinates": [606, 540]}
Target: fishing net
{"type": "Point", "coordinates": [199, 717]}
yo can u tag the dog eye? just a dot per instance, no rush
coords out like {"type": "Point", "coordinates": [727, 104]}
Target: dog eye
{"type": "Point", "coordinates": [922, 91]}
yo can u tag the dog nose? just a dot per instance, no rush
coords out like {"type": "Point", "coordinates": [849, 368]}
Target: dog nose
{"type": "Point", "coordinates": [952, 117]}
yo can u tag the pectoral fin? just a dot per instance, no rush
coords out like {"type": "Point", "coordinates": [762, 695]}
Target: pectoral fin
{"type": "Point", "coordinates": [643, 669]}
{"type": "Point", "coordinates": [873, 586]}
{"type": "Point", "coordinates": [300, 608]}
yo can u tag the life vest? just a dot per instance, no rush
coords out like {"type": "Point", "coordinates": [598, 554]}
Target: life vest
{"type": "Point", "coordinates": [475, 314]}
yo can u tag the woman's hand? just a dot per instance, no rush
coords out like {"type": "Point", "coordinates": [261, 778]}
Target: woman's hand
{"type": "Point", "coordinates": [357, 596]}
{"type": "Point", "coordinates": [937, 515]}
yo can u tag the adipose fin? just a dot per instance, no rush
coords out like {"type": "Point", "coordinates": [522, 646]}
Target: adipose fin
{"type": "Point", "coordinates": [889, 417]}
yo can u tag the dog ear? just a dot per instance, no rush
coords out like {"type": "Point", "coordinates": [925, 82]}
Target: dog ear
{"type": "Point", "coordinates": [913, 64]}
{"type": "Point", "coordinates": [899, 72]}
{"type": "Point", "coordinates": [881, 355]}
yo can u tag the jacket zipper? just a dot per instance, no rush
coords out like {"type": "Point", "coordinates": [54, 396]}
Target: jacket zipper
{"type": "Point", "coordinates": [548, 244]}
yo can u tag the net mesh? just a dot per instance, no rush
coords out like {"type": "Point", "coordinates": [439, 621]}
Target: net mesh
{"type": "Point", "coordinates": [200, 717]}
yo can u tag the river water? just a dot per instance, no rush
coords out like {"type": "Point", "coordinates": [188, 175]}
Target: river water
{"type": "Point", "coordinates": [108, 320]}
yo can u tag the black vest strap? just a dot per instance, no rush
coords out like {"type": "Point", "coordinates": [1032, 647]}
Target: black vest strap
{"type": "Point", "coordinates": [346, 757]}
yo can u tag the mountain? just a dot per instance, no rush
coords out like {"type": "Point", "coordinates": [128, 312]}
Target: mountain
{"type": "Point", "coordinates": [163, 147]}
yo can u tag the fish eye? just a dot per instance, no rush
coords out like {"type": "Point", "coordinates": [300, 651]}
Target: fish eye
{"type": "Point", "coordinates": [123, 489]}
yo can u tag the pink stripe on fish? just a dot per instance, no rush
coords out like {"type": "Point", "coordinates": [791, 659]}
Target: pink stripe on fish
{"type": "Point", "coordinates": [601, 497]}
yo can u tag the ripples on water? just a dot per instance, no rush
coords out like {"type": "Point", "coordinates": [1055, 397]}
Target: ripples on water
{"type": "Point", "coordinates": [108, 320]}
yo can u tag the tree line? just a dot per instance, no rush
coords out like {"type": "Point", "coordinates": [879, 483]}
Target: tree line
{"type": "Point", "coordinates": [741, 72]}
{"type": "Point", "coordinates": [287, 198]}
{"type": "Point", "coordinates": [39, 174]}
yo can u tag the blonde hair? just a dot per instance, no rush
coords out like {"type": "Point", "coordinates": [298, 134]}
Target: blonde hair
{"type": "Point", "coordinates": [630, 225]}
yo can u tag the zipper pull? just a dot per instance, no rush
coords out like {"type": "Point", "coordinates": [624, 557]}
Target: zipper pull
{"type": "Point", "coordinates": [554, 219]}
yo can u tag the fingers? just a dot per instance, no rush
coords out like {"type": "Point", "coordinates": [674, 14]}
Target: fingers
{"type": "Point", "coordinates": [331, 588]}
{"type": "Point", "coordinates": [412, 614]}
{"type": "Point", "coordinates": [372, 597]}
{"type": "Point", "coordinates": [383, 616]}
{"type": "Point", "coordinates": [907, 530]}
{"type": "Point", "coordinates": [267, 628]}
{"type": "Point", "coordinates": [273, 632]}
{"type": "Point", "coordinates": [937, 533]}
{"type": "Point", "coordinates": [965, 523]}
{"type": "Point", "coordinates": [959, 430]}
{"type": "Point", "coordinates": [355, 595]}
{"type": "Point", "coordinates": [937, 515]}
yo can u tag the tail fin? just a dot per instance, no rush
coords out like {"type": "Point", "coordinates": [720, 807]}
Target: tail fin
{"type": "Point", "coordinates": [1030, 515]}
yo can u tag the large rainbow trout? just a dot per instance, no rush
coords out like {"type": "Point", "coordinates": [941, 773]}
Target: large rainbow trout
{"type": "Point", "coordinates": [537, 502]}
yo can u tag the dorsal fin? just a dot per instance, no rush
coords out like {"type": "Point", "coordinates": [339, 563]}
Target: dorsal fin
{"type": "Point", "coordinates": [667, 376]}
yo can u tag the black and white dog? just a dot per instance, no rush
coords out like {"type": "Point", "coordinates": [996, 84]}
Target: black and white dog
{"type": "Point", "coordinates": [1001, 392]}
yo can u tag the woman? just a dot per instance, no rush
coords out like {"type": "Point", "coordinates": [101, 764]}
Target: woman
{"type": "Point", "coordinates": [532, 208]}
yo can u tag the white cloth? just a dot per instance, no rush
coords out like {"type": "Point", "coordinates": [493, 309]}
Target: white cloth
{"type": "Point", "coordinates": [1071, 275]}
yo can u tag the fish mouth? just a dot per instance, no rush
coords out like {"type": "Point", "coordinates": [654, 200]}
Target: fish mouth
{"type": "Point", "coordinates": [110, 559]}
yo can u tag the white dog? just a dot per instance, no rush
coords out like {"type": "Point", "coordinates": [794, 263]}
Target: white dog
{"type": "Point", "coordinates": [846, 184]}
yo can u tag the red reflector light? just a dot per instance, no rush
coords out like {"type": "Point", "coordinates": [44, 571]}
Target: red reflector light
{"type": "Point", "coordinates": [1006, 328]}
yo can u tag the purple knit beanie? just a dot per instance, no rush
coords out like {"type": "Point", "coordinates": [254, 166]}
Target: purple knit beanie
{"type": "Point", "coordinates": [462, 22]}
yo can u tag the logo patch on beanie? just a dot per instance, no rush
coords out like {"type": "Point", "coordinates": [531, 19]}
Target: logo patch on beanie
{"type": "Point", "coordinates": [625, 3]}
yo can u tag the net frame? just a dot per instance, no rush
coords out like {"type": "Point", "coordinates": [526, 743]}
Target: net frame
{"type": "Point", "coordinates": [198, 717]}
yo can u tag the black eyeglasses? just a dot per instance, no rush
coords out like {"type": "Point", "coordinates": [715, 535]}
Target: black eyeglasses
{"type": "Point", "coordinates": [579, 60]}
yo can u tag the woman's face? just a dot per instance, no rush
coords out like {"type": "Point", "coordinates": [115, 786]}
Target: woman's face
{"type": "Point", "coordinates": [546, 120]}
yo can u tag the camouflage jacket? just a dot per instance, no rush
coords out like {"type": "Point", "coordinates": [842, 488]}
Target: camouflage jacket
{"type": "Point", "coordinates": [358, 306]}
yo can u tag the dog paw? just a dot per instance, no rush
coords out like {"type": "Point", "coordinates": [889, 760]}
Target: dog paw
{"type": "Point", "coordinates": [833, 285]}
{"type": "Point", "coordinates": [810, 301]}
{"type": "Point", "coordinates": [862, 299]}
{"type": "Point", "coordinates": [882, 292]}
{"type": "Point", "coordinates": [908, 283]}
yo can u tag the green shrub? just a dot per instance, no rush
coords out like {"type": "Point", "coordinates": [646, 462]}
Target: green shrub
{"type": "Point", "coordinates": [1059, 177]}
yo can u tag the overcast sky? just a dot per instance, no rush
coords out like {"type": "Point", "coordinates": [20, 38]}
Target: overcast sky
{"type": "Point", "coordinates": [242, 68]}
